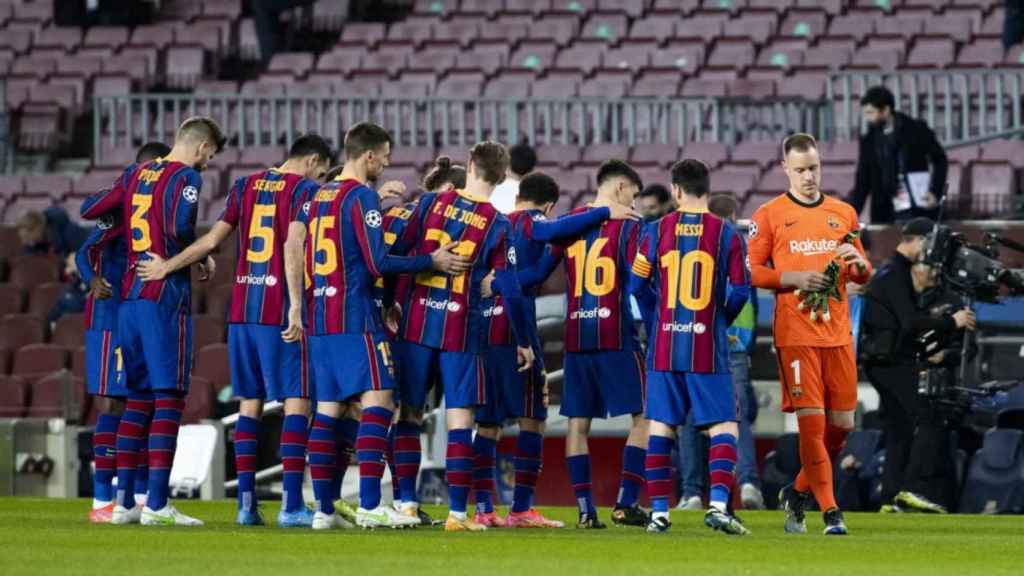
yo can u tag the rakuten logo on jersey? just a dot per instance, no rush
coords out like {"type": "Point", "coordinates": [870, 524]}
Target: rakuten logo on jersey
{"type": "Point", "coordinates": [449, 305]}
{"type": "Point", "coordinates": [328, 291]}
{"type": "Point", "coordinates": [590, 314]}
{"type": "Point", "coordinates": [810, 247]}
{"type": "Point", "coordinates": [261, 280]}
{"type": "Point", "coordinates": [494, 311]}
{"type": "Point", "coordinates": [688, 328]}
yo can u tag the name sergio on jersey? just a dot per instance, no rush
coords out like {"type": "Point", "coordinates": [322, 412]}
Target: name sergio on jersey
{"type": "Point", "coordinates": [462, 216]}
{"type": "Point", "coordinates": [257, 280]}
{"type": "Point", "coordinates": [689, 327]}
{"type": "Point", "coordinates": [810, 247]}
{"type": "Point", "coordinates": [268, 185]}
{"type": "Point", "coordinates": [591, 313]}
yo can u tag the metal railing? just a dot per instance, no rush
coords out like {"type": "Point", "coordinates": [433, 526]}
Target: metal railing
{"type": "Point", "coordinates": [6, 146]}
{"type": "Point", "coordinates": [126, 121]}
{"type": "Point", "coordinates": [960, 105]}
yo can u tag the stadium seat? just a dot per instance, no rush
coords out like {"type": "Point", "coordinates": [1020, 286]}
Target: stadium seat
{"type": "Point", "coordinates": [13, 397]}
{"type": "Point", "coordinates": [995, 479]}
{"type": "Point", "coordinates": [711, 153]}
{"type": "Point", "coordinates": [211, 363]}
{"type": "Point", "coordinates": [184, 66]}
{"type": "Point", "coordinates": [48, 397]}
{"type": "Point", "coordinates": [200, 401]}
{"type": "Point", "coordinates": [17, 330]}
{"type": "Point", "coordinates": [78, 362]}
{"type": "Point", "coordinates": [43, 297]}
{"type": "Point", "coordinates": [69, 331]}
{"type": "Point", "coordinates": [37, 359]}
{"type": "Point", "coordinates": [31, 271]}
{"type": "Point", "coordinates": [993, 184]}
{"type": "Point", "coordinates": [207, 330]}
{"type": "Point", "coordinates": [660, 155]}
{"type": "Point", "coordinates": [12, 299]}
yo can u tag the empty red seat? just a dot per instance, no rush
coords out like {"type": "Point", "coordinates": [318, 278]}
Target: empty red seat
{"type": "Point", "coordinates": [200, 402]}
{"type": "Point", "coordinates": [362, 34]}
{"type": "Point", "coordinates": [595, 154]}
{"type": "Point", "coordinates": [830, 53]}
{"type": "Point", "coordinates": [156, 35]}
{"type": "Point", "coordinates": [13, 397]}
{"type": "Point", "coordinates": [606, 27]}
{"type": "Point", "coordinates": [208, 329]}
{"type": "Point", "coordinates": [58, 395]}
{"type": "Point", "coordinates": [711, 153]}
{"type": "Point", "coordinates": [804, 23]}
{"type": "Point", "coordinates": [435, 7]}
{"type": "Point", "coordinates": [851, 25]}
{"type": "Point", "coordinates": [12, 299]}
{"type": "Point", "coordinates": [932, 52]}
{"type": "Point", "coordinates": [907, 27]}
{"type": "Point", "coordinates": [211, 35]}
{"type": "Point", "coordinates": [42, 297]}
{"type": "Point", "coordinates": [184, 66]}
{"type": "Point", "coordinates": [64, 38]}
{"type": "Point", "coordinates": [732, 54]}
{"type": "Point", "coordinates": [23, 205]}
{"type": "Point", "coordinates": [757, 27]}
{"type": "Point", "coordinates": [416, 30]}
{"type": "Point", "coordinates": [218, 300]}
{"type": "Point", "coordinates": [36, 359]}
{"type": "Point", "coordinates": [461, 30]}
{"type": "Point", "coordinates": [993, 185]}
{"type": "Point", "coordinates": [651, 154]}
{"type": "Point", "coordinates": [211, 363]}
{"type": "Point", "coordinates": [561, 155]}
{"type": "Point", "coordinates": [330, 15]}
{"type": "Point", "coordinates": [461, 85]}
{"type": "Point", "coordinates": [981, 52]}
{"type": "Point", "coordinates": [31, 271]}
{"type": "Point", "coordinates": [655, 27]}
{"type": "Point", "coordinates": [683, 56]}
{"type": "Point", "coordinates": [740, 184]}
{"type": "Point", "coordinates": [656, 83]}
{"type": "Point", "coordinates": [561, 29]}
{"type": "Point", "coordinates": [763, 154]}
{"type": "Point", "coordinates": [556, 86]}
{"type": "Point", "coordinates": [580, 56]}
{"type": "Point", "coordinates": [704, 26]}
{"type": "Point", "coordinates": [297, 63]}
{"type": "Point", "coordinates": [53, 185]}
{"type": "Point", "coordinates": [487, 8]}
{"type": "Point", "coordinates": [411, 156]}
{"type": "Point", "coordinates": [1009, 151]}
{"type": "Point", "coordinates": [632, 56]}
{"type": "Point", "coordinates": [11, 186]}
{"type": "Point", "coordinates": [69, 331]}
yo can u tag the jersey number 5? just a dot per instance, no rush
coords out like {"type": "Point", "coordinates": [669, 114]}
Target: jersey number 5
{"type": "Point", "coordinates": [593, 271]}
{"type": "Point", "coordinates": [681, 274]}
{"type": "Point", "coordinates": [264, 233]}
{"type": "Point", "coordinates": [141, 240]}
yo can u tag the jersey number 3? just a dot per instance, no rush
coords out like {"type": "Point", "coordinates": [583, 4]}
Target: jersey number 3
{"type": "Point", "coordinates": [141, 240]}
{"type": "Point", "coordinates": [682, 277]}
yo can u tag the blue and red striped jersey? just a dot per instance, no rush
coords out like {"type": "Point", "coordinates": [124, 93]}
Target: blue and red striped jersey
{"type": "Point", "coordinates": [395, 221]}
{"type": "Point", "coordinates": [261, 207]}
{"type": "Point", "coordinates": [446, 312]}
{"type": "Point", "coordinates": [531, 231]}
{"type": "Point", "coordinates": [103, 253]}
{"type": "Point", "coordinates": [697, 265]}
{"type": "Point", "coordinates": [158, 200]}
{"type": "Point", "coordinates": [345, 254]}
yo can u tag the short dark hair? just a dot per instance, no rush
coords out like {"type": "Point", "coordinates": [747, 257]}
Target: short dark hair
{"type": "Point", "coordinates": [204, 128]}
{"type": "Point", "coordinates": [334, 172]}
{"type": "Point", "coordinates": [151, 151]}
{"type": "Point", "coordinates": [800, 142]}
{"type": "Point", "coordinates": [311, 145]}
{"type": "Point", "coordinates": [490, 160]}
{"type": "Point", "coordinates": [880, 97]}
{"type": "Point", "coordinates": [444, 172]}
{"type": "Point", "coordinates": [613, 168]}
{"type": "Point", "coordinates": [692, 176]}
{"type": "Point", "coordinates": [724, 205]}
{"type": "Point", "coordinates": [659, 191]}
{"type": "Point", "coordinates": [522, 159]}
{"type": "Point", "coordinates": [538, 188]}
{"type": "Point", "coordinates": [365, 137]}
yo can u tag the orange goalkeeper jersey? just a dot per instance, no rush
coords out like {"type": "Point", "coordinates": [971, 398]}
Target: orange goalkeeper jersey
{"type": "Point", "coordinates": [787, 236]}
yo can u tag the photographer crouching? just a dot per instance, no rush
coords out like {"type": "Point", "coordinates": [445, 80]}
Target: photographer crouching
{"type": "Point", "coordinates": [909, 326]}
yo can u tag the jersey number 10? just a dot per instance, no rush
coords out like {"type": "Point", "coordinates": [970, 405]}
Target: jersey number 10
{"type": "Point", "coordinates": [681, 275]}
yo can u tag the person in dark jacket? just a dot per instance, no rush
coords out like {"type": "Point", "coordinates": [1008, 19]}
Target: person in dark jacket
{"type": "Point", "coordinates": [901, 166]}
{"type": "Point", "coordinates": [918, 468]}
{"type": "Point", "coordinates": [50, 232]}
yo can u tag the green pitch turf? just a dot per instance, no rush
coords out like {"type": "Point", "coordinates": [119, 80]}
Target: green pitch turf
{"type": "Point", "coordinates": [41, 537]}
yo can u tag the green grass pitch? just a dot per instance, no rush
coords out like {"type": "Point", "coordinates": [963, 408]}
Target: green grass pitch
{"type": "Point", "coordinates": [41, 537]}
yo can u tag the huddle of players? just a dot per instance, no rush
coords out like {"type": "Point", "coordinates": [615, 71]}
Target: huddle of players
{"type": "Point", "coordinates": [453, 282]}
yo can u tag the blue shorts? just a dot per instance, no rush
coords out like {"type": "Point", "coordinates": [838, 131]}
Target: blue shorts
{"type": "Point", "coordinates": [672, 395]}
{"type": "Point", "coordinates": [265, 366]}
{"type": "Point", "coordinates": [461, 374]}
{"type": "Point", "coordinates": [511, 393]}
{"type": "Point", "coordinates": [603, 383]}
{"type": "Point", "coordinates": [346, 365]}
{"type": "Point", "coordinates": [156, 346]}
{"type": "Point", "coordinates": [104, 366]}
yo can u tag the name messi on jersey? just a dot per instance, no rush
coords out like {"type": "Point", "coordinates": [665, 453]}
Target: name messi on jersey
{"type": "Point", "coordinates": [810, 247]}
{"type": "Point", "coordinates": [689, 229]}
{"type": "Point", "coordinates": [268, 185]}
{"type": "Point", "coordinates": [460, 215]}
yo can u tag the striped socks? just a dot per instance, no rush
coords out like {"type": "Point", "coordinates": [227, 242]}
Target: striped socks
{"type": "Point", "coordinates": [722, 469]}
{"type": "Point", "coordinates": [632, 476]}
{"type": "Point", "coordinates": [459, 469]}
{"type": "Point", "coordinates": [485, 451]}
{"type": "Point", "coordinates": [163, 441]}
{"type": "Point", "coordinates": [104, 442]}
{"type": "Point", "coordinates": [322, 465]}
{"type": "Point", "coordinates": [346, 431]}
{"type": "Point", "coordinates": [659, 472]}
{"type": "Point", "coordinates": [293, 459]}
{"type": "Point", "coordinates": [247, 432]}
{"type": "Point", "coordinates": [370, 447]}
{"type": "Point", "coordinates": [396, 492]}
{"type": "Point", "coordinates": [407, 459]}
{"type": "Point", "coordinates": [579, 475]}
{"type": "Point", "coordinates": [527, 465]}
{"type": "Point", "coordinates": [131, 432]}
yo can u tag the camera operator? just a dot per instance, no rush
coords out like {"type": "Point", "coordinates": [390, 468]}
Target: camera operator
{"type": "Point", "coordinates": [918, 470]}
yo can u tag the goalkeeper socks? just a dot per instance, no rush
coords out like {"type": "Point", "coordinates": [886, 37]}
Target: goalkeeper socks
{"type": "Point", "coordinates": [485, 451]}
{"type": "Point", "coordinates": [131, 433]}
{"type": "Point", "coordinates": [814, 459]}
{"type": "Point", "coordinates": [659, 472]}
{"type": "Point", "coordinates": [322, 463]}
{"type": "Point", "coordinates": [632, 476]}
{"type": "Point", "coordinates": [370, 447]}
{"type": "Point", "coordinates": [459, 468]}
{"type": "Point", "coordinates": [407, 459]}
{"type": "Point", "coordinates": [293, 459]}
{"type": "Point", "coordinates": [346, 431]}
{"type": "Point", "coordinates": [163, 442]}
{"type": "Point", "coordinates": [247, 432]}
{"type": "Point", "coordinates": [579, 475]}
{"type": "Point", "coordinates": [528, 458]}
{"type": "Point", "coordinates": [104, 442]}
{"type": "Point", "coordinates": [722, 469]}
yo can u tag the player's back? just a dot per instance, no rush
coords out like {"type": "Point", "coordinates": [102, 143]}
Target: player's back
{"type": "Point", "coordinates": [528, 252]}
{"type": "Point", "coordinates": [261, 207]}
{"type": "Point", "coordinates": [339, 279]}
{"type": "Point", "coordinates": [442, 311]}
{"type": "Point", "coordinates": [159, 207]}
{"type": "Point", "coordinates": [798, 237]}
{"type": "Point", "coordinates": [691, 258]}
{"type": "Point", "coordinates": [597, 263]}
{"type": "Point", "coordinates": [105, 255]}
